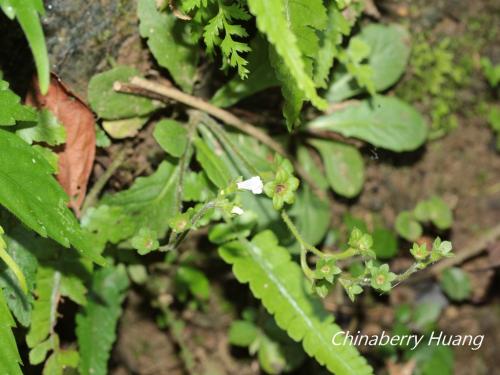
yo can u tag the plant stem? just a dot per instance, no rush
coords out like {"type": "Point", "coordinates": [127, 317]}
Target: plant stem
{"type": "Point", "coordinates": [151, 89]}
{"type": "Point", "coordinates": [93, 194]}
{"type": "Point", "coordinates": [295, 232]}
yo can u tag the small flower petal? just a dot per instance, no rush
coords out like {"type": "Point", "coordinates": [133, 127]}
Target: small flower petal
{"type": "Point", "coordinates": [237, 210]}
{"type": "Point", "coordinates": [254, 184]}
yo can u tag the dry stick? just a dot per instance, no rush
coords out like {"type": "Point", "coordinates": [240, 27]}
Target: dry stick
{"type": "Point", "coordinates": [103, 179]}
{"type": "Point", "coordinates": [144, 87]}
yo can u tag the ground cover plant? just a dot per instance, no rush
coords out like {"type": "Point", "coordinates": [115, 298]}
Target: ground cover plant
{"type": "Point", "coordinates": [239, 184]}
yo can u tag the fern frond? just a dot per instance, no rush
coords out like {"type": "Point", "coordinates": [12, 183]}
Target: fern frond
{"type": "Point", "coordinates": [278, 282]}
{"type": "Point", "coordinates": [9, 355]}
{"type": "Point", "coordinates": [283, 33]}
{"type": "Point", "coordinates": [96, 325]}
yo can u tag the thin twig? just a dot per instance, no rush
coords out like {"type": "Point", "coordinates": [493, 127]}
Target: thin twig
{"type": "Point", "coordinates": [93, 194]}
{"type": "Point", "coordinates": [147, 88]}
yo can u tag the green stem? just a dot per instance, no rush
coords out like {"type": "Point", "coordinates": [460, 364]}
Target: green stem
{"type": "Point", "coordinates": [295, 232]}
{"type": "Point", "coordinates": [350, 252]}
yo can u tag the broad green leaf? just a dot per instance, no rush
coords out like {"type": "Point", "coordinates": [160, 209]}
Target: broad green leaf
{"type": "Point", "coordinates": [26, 12]}
{"type": "Point", "coordinates": [389, 53]}
{"type": "Point", "coordinates": [213, 166]}
{"type": "Point", "coordinates": [261, 77]}
{"type": "Point", "coordinates": [312, 215]}
{"type": "Point", "coordinates": [456, 284]}
{"type": "Point", "coordinates": [20, 303]}
{"type": "Point", "coordinates": [197, 187]}
{"type": "Point", "coordinates": [47, 130]}
{"type": "Point", "coordinates": [312, 166]}
{"type": "Point", "coordinates": [61, 360]}
{"type": "Point", "coordinates": [11, 109]}
{"type": "Point", "coordinates": [385, 243]}
{"type": "Point", "coordinates": [242, 333]}
{"type": "Point", "coordinates": [280, 285]}
{"type": "Point", "coordinates": [30, 192]}
{"type": "Point", "coordinates": [344, 167]}
{"type": "Point", "coordinates": [171, 136]}
{"type": "Point", "coordinates": [434, 360]}
{"type": "Point", "coordinates": [231, 157]}
{"type": "Point", "coordinates": [96, 324]}
{"type": "Point", "coordinates": [148, 203]}
{"type": "Point", "coordinates": [407, 227]}
{"type": "Point", "coordinates": [382, 121]}
{"type": "Point", "coordinates": [194, 280]}
{"type": "Point", "coordinates": [291, 47]}
{"type": "Point", "coordinates": [436, 211]}
{"type": "Point", "coordinates": [240, 226]}
{"type": "Point", "coordinates": [10, 359]}
{"type": "Point", "coordinates": [124, 128]}
{"type": "Point", "coordinates": [169, 43]}
{"type": "Point", "coordinates": [112, 105]}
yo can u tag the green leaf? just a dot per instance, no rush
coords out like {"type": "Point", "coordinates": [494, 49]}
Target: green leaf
{"type": "Point", "coordinates": [456, 284]}
{"type": "Point", "coordinates": [385, 243]}
{"type": "Point", "coordinates": [242, 333]}
{"type": "Point", "coordinates": [197, 187]}
{"type": "Point", "coordinates": [288, 43]}
{"type": "Point", "coordinates": [40, 203]}
{"type": "Point", "coordinates": [148, 203]}
{"type": "Point", "coordinates": [47, 130]}
{"type": "Point", "coordinates": [19, 302]}
{"type": "Point", "coordinates": [312, 215]}
{"type": "Point", "coordinates": [407, 227]}
{"type": "Point", "coordinates": [382, 121]}
{"type": "Point", "coordinates": [168, 41]}
{"type": "Point", "coordinates": [240, 226]}
{"type": "Point", "coordinates": [261, 77]}
{"type": "Point", "coordinates": [124, 128]}
{"type": "Point", "coordinates": [388, 57]}
{"type": "Point", "coordinates": [280, 285]}
{"type": "Point", "coordinates": [26, 12]}
{"type": "Point", "coordinates": [60, 360]}
{"type": "Point", "coordinates": [171, 136]}
{"type": "Point", "coordinates": [9, 354]}
{"type": "Point", "coordinates": [215, 169]}
{"type": "Point", "coordinates": [330, 41]}
{"type": "Point", "coordinates": [343, 165]}
{"type": "Point", "coordinates": [112, 105]}
{"type": "Point", "coordinates": [435, 210]}
{"type": "Point", "coordinates": [194, 280]}
{"type": "Point", "coordinates": [11, 109]}
{"type": "Point", "coordinates": [96, 324]}
{"type": "Point", "coordinates": [434, 360]}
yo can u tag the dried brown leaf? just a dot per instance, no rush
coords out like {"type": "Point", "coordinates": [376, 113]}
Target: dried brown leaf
{"type": "Point", "coordinates": [76, 157]}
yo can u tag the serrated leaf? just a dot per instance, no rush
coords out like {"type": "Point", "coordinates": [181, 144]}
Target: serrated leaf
{"type": "Point", "coordinates": [280, 285]}
{"type": "Point", "coordinates": [167, 42]}
{"type": "Point", "coordinates": [40, 203]}
{"type": "Point", "coordinates": [96, 324]}
{"type": "Point", "coordinates": [11, 109]}
{"type": "Point", "coordinates": [344, 167]}
{"type": "Point", "coordinates": [382, 121]}
{"type": "Point", "coordinates": [171, 136]}
{"type": "Point", "coordinates": [47, 130]}
{"type": "Point", "coordinates": [389, 52]}
{"type": "Point", "coordinates": [213, 166]}
{"type": "Point", "coordinates": [291, 47]}
{"type": "Point", "coordinates": [148, 203]}
{"type": "Point", "coordinates": [26, 12]}
{"type": "Point", "coordinates": [261, 77]}
{"type": "Point", "coordinates": [9, 354]}
{"type": "Point", "coordinates": [112, 105]}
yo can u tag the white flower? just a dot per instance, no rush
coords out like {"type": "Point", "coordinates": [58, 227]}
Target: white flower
{"type": "Point", "coordinates": [253, 184]}
{"type": "Point", "coordinates": [237, 210]}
